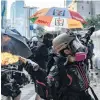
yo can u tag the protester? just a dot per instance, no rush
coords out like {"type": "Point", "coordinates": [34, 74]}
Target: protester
{"type": "Point", "coordinates": [34, 42]}
{"type": "Point", "coordinates": [68, 78]}
{"type": "Point", "coordinates": [90, 53]}
{"type": "Point", "coordinates": [40, 55]}
{"type": "Point", "coordinates": [71, 69]}
{"type": "Point", "coordinates": [41, 51]}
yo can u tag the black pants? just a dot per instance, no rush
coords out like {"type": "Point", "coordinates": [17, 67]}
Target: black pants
{"type": "Point", "coordinates": [91, 63]}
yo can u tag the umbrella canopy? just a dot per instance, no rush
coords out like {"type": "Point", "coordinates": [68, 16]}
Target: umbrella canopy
{"type": "Point", "coordinates": [55, 17]}
{"type": "Point", "coordinates": [15, 44]}
{"type": "Point", "coordinates": [14, 30]}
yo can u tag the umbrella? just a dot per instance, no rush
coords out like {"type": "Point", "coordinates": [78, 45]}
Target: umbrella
{"type": "Point", "coordinates": [14, 30]}
{"type": "Point", "coordinates": [55, 17]}
{"type": "Point", "coordinates": [15, 44]}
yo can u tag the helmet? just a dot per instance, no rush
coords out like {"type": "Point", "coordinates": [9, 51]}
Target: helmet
{"type": "Point", "coordinates": [47, 40]}
{"type": "Point", "coordinates": [62, 41]}
{"type": "Point", "coordinates": [34, 39]}
{"type": "Point", "coordinates": [47, 36]}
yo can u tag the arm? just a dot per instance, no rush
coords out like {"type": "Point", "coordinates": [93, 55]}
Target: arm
{"type": "Point", "coordinates": [33, 69]}
{"type": "Point", "coordinates": [53, 82]}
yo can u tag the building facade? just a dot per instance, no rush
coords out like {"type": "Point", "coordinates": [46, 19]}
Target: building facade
{"type": "Point", "coordinates": [3, 13]}
{"type": "Point", "coordinates": [86, 8]}
{"type": "Point", "coordinates": [28, 25]}
{"type": "Point", "coordinates": [20, 18]}
{"type": "Point", "coordinates": [17, 16]}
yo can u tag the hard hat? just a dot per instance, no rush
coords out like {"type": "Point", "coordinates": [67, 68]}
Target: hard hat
{"type": "Point", "coordinates": [62, 41]}
{"type": "Point", "coordinates": [34, 39]}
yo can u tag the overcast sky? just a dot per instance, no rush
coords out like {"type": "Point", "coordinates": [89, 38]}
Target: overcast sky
{"type": "Point", "coordinates": [37, 3]}
{"type": "Point", "coordinates": [40, 3]}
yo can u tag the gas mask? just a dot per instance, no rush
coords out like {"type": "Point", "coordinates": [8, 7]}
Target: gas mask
{"type": "Point", "coordinates": [69, 45]}
{"type": "Point", "coordinates": [78, 50]}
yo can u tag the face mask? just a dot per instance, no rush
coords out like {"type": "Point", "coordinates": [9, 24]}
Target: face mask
{"type": "Point", "coordinates": [62, 53]}
{"type": "Point", "coordinates": [48, 43]}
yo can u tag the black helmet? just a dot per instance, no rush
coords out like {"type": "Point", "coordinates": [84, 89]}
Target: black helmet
{"type": "Point", "coordinates": [62, 41]}
{"type": "Point", "coordinates": [47, 36]}
{"type": "Point", "coordinates": [47, 39]}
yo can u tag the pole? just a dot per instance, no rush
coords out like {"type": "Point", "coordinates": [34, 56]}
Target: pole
{"type": "Point", "coordinates": [27, 21]}
{"type": "Point", "coordinates": [28, 34]}
{"type": "Point", "coordinates": [2, 23]}
{"type": "Point", "coordinates": [65, 3]}
{"type": "Point", "coordinates": [13, 19]}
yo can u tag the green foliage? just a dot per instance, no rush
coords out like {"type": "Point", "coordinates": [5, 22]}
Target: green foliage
{"type": "Point", "coordinates": [93, 21]}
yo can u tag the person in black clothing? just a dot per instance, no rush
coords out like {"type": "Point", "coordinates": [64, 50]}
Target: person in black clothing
{"type": "Point", "coordinates": [68, 78]}
{"type": "Point", "coordinates": [90, 53]}
{"type": "Point", "coordinates": [47, 40]}
{"type": "Point", "coordinates": [41, 51]}
{"type": "Point", "coordinates": [33, 42]}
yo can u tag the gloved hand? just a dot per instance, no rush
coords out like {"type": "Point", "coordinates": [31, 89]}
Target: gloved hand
{"type": "Point", "coordinates": [22, 59]}
{"type": "Point", "coordinates": [29, 62]}
{"type": "Point", "coordinates": [33, 64]}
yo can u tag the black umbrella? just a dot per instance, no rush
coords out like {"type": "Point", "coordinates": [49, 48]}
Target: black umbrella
{"type": "Point", "coordinates": [14, 30]}
{"type": "Point", "coordinates": [15, 44]}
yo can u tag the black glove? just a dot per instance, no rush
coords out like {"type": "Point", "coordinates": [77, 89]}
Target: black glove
{"type": "Point", "coordinates": [62, 60]}
{"type": "Point", "coordinates": [29, 63]}
{"type": "Point", "coordinates": [34, 65]}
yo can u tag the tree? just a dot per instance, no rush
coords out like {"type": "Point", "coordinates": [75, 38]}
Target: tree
{"type": "Point", "coordinates": [93, 21]}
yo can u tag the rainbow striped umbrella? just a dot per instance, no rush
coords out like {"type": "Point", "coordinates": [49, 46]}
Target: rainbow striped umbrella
{"type": "Point", "coordinates": [58, 17]}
